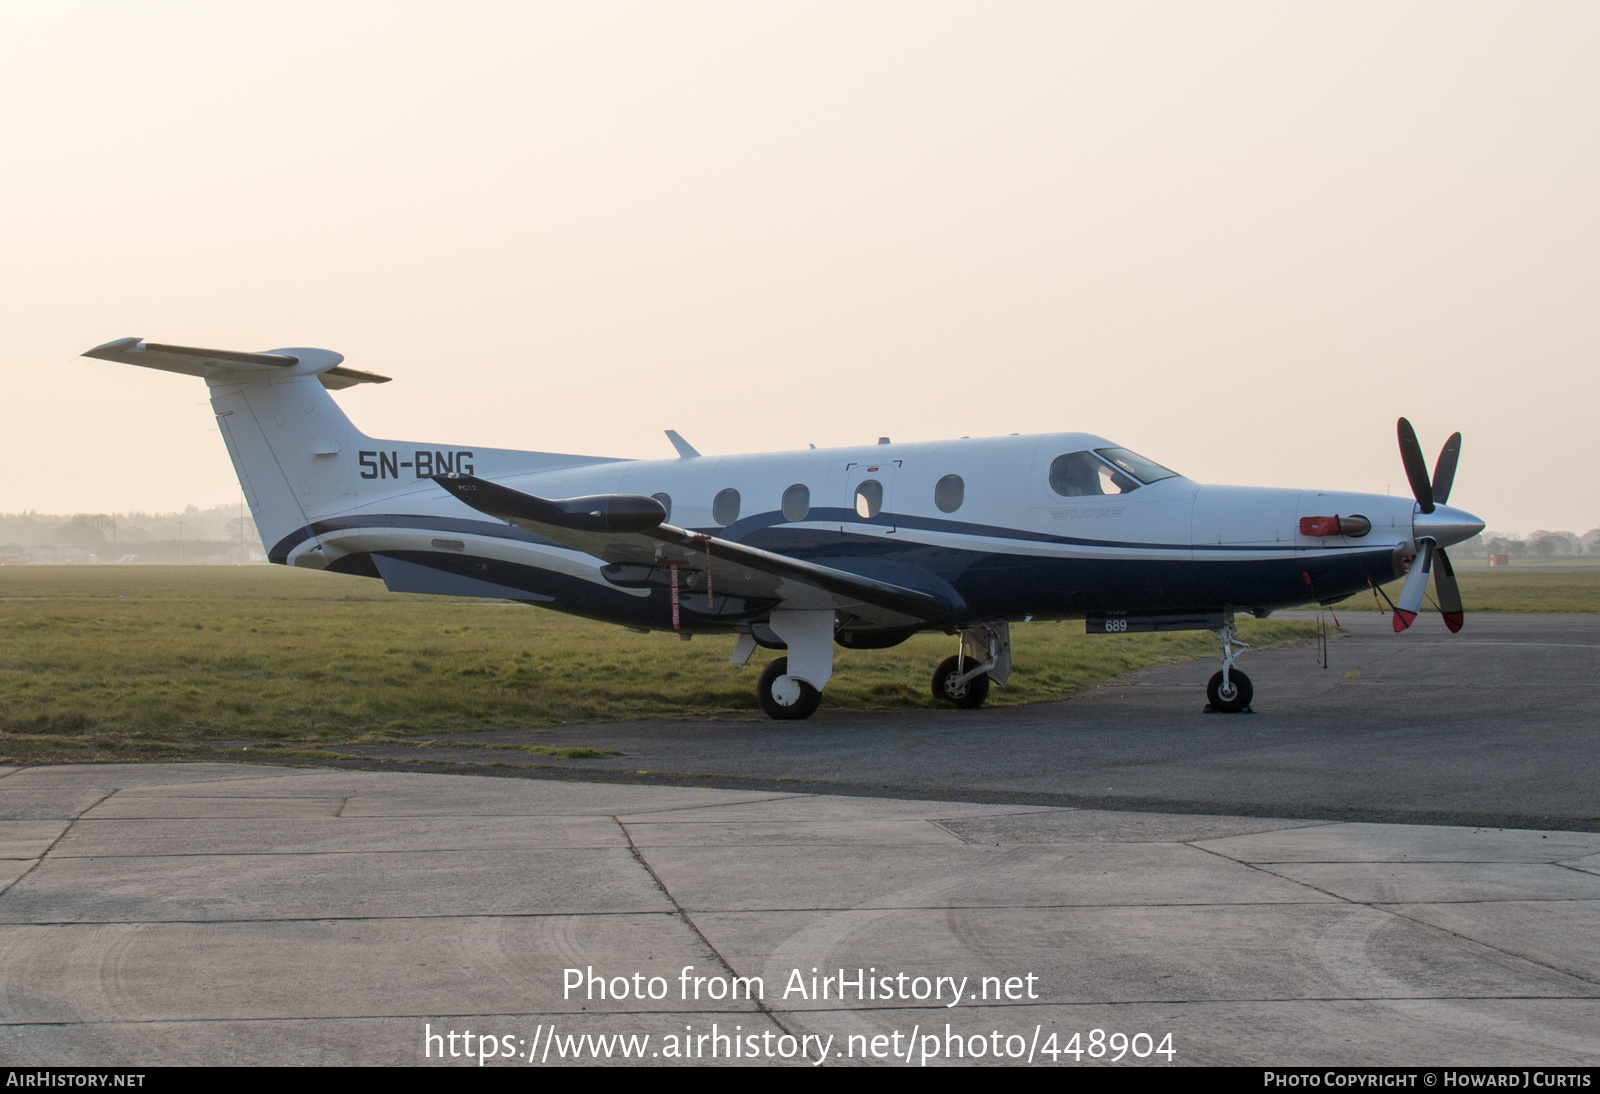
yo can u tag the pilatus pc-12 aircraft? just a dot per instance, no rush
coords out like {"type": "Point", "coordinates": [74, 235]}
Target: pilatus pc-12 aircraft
{"type": "Point", "coordinates": [798, 550]}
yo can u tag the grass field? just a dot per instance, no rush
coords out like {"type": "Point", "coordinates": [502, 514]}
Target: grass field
{"type": "Point", "coordinates": [141, 662]}
{"type": "Point", "coordinates": [126, 662]}
{"type": "Point", "coordinates": [1525, 587]}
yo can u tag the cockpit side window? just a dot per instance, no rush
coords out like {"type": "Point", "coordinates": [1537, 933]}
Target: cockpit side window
{"type": "Point", "coordinates": [1079, 474]}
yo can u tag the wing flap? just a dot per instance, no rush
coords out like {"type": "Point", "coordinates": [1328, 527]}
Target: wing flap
{"type": "Point", "coordinates": [796, 576]}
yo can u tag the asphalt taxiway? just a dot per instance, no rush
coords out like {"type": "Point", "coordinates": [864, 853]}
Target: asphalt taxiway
{"type": "Point", "coordinates": [1495, 725]}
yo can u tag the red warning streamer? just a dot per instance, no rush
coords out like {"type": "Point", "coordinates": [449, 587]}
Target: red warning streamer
{"type": "Point", "coordinates": [672, 568]}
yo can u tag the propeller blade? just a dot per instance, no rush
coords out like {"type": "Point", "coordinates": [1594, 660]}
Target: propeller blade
{"type": "Point", "coordinates": [1416, 467]}
{"type": "Point", "coordinates": [1416, 586]}
{"type": "Point", "coordinates": [1444, 584]}
{"type": "Point", "coordinates": [1444, 472]}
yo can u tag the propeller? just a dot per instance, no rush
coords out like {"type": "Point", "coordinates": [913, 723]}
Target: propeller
{"type": "Point", "coordinates": [1447, 526]}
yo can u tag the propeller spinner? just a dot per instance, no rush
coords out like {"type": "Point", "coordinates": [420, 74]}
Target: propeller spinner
{"type": "Point", "coordinates": [1434, 526]}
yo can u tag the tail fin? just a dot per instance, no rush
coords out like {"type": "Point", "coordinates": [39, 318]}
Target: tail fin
{"type": "Point", "coordinates": [283, 430]}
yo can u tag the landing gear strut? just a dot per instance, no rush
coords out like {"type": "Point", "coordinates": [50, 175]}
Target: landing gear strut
{"type": "Point", "coordinates": [791, 687]}
{"type": "Point", "coordinates": [1229, 691]}
{"type": "Point", "coordinates": [983, 656]}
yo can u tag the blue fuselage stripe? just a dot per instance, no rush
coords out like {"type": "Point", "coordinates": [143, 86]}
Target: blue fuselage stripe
{"type": "Point", "coordinates": [994, 584]}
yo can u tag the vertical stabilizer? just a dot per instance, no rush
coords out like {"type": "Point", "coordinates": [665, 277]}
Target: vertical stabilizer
{"type": "Point", "coordinates": [290, 445]}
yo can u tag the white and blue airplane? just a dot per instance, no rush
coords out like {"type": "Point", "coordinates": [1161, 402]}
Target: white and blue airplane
{"type": "Point", "coordinates": [799, 550]}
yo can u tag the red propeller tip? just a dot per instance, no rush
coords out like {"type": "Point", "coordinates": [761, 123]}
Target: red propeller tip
{"type": "Point", "coordinates": [1453, 620]}
{"type": "Point", "coordinates": [1403, 619]}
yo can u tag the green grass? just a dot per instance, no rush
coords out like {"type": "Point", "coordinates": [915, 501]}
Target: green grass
{"type": "Point", "coordinates": [1523, 587]}
{"type": "Point", "coordinates": [169, 662]}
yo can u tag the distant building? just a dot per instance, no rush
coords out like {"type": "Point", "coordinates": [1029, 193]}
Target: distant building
{"type": "Point", "coordinates": [58, 552]}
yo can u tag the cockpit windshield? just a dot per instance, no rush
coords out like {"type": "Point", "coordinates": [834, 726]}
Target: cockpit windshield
{"type": "Point", "coordinates": [1146, 471]}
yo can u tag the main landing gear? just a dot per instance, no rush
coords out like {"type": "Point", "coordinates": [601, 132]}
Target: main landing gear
{"type": "Point", "coordinates": [1229, 691]}
{"type": "Point", "coordinates": [983, 656]}
{"type": "Point", "coordinates": [790, 687]}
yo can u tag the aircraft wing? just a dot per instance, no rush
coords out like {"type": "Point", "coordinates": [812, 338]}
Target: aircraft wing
{"type": "Point", "coordinates": [627, 531]}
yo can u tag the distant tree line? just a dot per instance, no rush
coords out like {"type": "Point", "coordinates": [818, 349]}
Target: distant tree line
{"type": "Point", "coordinates": [193, 535]}
{"type": "Point", "coordinates": [1543, 544]}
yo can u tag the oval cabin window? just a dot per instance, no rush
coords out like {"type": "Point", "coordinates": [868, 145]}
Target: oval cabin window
{"type": "Point", "coordinates": [796, 502]}
{"type": "Point", "coordinates": [666, 503]}
{"type": "Point", "coordinates": [725, 509]}
{"type": "Point", "coordinates": [948, 493]}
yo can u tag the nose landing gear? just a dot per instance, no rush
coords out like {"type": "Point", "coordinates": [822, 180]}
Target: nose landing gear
{"type": "Point", "coordinates": [1230, 691]}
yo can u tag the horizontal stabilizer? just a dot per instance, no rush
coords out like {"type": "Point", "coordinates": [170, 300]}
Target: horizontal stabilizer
{"type": "Point", "coordinates": [197, 361]}
{"type": "Point", "coordinates": [337, 378]}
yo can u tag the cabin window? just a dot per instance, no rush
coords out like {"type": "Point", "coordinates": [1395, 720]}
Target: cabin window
{"type": "Point", "coordinates": [725, 509]}
{"type": "Point", "coordinates": [1144, 470]}
{"type": "Point", "coordinates": [1078, 474]}
{"type": "Point", "coordinates": [796, 502]}
{"type": "Point", "coordinates": [869, 499]}
{"type": "Point", "coordinates": [666, 503]}
{"type": "Point", "coordinates": [948, 493]}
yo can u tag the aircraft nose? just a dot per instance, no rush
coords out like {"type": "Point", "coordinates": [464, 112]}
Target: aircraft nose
{"type": "Point", "coordinates": [1445, 525]}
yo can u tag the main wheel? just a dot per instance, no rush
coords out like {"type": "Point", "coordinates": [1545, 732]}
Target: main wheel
{"type": "Point", "coordinates": [969, 695]}
{"type": "Point", "coordinates": [784, 697]}
{"type": "Point", "coordinates": [1235, 698]}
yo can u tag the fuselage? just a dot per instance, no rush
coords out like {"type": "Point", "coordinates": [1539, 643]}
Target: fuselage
{"type": "Point", "coordinates": [1000, 528]}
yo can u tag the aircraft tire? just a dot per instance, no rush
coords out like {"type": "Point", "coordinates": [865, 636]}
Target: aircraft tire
{"type": "Point", "coordinates": [968, 696]}
{"type": "Point", "coordinates": [803, 707]}
{"type": "Point", "coordinates": [1242, 690]}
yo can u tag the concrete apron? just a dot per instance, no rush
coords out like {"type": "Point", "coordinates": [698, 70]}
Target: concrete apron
{"type": "Point", "coordinates": [228, 914]}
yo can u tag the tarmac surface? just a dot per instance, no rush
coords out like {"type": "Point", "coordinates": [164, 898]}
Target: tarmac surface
{"type": "Point", "coordinates": [238, 914]}
{"type": "Point", "coordinates": [1495, 725]}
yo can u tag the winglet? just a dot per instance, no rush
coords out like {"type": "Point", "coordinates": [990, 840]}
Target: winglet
{"type": "Point", "coordinates": [685, 449]}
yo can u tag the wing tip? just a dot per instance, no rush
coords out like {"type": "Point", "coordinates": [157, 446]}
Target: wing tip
{"type": "Point", "coordinates": [114, 346]}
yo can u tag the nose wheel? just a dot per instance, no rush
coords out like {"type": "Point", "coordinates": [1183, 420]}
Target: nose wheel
{"type": "Point", "coordinates": [1230, 696]}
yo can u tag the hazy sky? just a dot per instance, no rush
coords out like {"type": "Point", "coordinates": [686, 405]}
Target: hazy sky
{"type": "Point", "coordinates": [1240, 238]}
